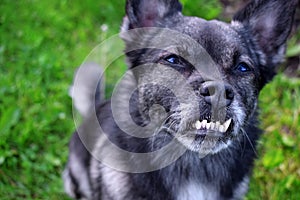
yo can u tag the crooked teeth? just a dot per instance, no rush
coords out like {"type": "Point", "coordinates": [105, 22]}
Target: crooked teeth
{"type": "Point", "coordinates": [216, 126]}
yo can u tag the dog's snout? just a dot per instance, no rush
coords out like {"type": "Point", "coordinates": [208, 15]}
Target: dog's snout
{"type": "Point", "coordinates": [217, 93]}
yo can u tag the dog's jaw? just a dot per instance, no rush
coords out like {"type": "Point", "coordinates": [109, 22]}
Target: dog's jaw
{"type": "Point", "coordinates": [205, 135]}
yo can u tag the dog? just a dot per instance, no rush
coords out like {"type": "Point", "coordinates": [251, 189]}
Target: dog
{"type": "Point", "coordinates": [182, 123]}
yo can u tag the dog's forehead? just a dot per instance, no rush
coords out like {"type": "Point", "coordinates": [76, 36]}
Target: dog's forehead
{"type": "Point", "coordinates": [219, 39]}
{"type": "Point", "coordinates": [213, 29]}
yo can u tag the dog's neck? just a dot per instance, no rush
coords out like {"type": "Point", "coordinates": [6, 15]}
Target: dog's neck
{"type": "Point", "coordinates": [192, 175]}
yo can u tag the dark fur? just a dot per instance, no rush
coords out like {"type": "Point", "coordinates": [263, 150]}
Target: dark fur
{"type": "Point", "coordinates": [257, 36]}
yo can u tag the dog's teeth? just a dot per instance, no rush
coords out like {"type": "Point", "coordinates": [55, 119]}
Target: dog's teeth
{"type": "Point", "coordinates": [217, 127]}
{"type": "Point", "coordinates": [198, 124]}
{"type": "Point", "coordinates": [204, 122]}
{"type": "Point", "coordinates": [193, 125]}
{"type": "Point", "coordinates": [226, 124]}
{"type": "Point", "coordinates": [208, 126]}
{"type": "Point", "coordinates": [212, 125]}
{"type": "Point", "coordinates": [221, 128]}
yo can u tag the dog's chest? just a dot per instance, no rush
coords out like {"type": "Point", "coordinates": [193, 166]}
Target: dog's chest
{"type": "Point", "coordinates": [196, 191]}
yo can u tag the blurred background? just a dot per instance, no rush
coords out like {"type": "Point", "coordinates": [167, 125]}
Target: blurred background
{"type": "Point", "coordinates": [41, 45]}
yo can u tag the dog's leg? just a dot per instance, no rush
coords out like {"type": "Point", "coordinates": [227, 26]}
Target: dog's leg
{"type": "Point", "coordinates": [76, 176]}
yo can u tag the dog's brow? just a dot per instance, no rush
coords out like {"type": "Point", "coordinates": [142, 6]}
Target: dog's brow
{"type": "Point", "coordinates": [180, 50]}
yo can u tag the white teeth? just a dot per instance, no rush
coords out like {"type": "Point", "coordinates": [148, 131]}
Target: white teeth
{"type": "Point", "coordinates": [212, 125]}
{"type": "Point", "coordinates": [208, 126]}
{"type": "Point", "coordinates": [222, 128]}
{"type": "Point", "coordinates": [204, 122]}
{"type": "Point", "coordinates": [226, 124]}
{"type": "Point", "coordinates": [216, 126]}
{"type": "Point", "coordinates": [198, 124]}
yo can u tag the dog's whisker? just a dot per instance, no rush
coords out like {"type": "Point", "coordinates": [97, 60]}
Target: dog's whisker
{"type": "Point", "coordinates": [250, 142]}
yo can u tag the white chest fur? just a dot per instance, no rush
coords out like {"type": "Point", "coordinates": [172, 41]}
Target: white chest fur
{"type": "Point", "coordinates": [196, 191]}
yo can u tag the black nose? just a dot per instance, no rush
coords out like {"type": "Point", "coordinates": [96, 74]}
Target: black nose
{"type": "Point", "coordinates": [217, 93]}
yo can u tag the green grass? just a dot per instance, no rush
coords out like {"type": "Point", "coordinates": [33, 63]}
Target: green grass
{"type": "Point", "coordinates": [41, 44]}
{"type": "Point", "coordinates": [277, 172]}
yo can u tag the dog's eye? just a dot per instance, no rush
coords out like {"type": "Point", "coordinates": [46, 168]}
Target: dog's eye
{"type": "Point", "coordinates": [173, 59]}
{"type": "Point", "coordinates": [243, 67]}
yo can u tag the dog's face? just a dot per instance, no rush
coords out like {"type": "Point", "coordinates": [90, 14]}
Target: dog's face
{"type": "Point", "coordinates": [205, 74]}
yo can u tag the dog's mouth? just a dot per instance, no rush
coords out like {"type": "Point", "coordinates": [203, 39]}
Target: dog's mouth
{"type": "Point", "coordinates": [205, 134]}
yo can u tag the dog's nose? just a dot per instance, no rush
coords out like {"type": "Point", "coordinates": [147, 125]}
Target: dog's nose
{"type": "Point", "coordinates": [217, 93]}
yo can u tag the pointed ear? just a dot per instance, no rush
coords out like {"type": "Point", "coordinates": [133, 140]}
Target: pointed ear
{"type": "Point", "coordinates": [148, 13]}
{"type": "Point", "coordinates": [269, 22]}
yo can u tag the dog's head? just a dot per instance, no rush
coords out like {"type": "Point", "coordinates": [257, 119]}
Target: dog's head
{"type": "Point", "coordinates": [205, 74]}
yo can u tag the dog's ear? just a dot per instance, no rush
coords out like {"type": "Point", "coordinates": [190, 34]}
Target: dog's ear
{"type": "Point", "coordinates": [269, 22]}
{"type": "Point", "coordinates": [149, 13]}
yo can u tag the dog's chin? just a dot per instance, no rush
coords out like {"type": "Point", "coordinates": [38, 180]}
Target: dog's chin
{"type": "Point", "coordinates": [206, 137]}
{"type": "Point", "coordinates": [204, 145]}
